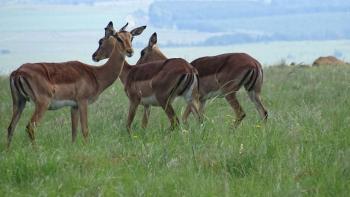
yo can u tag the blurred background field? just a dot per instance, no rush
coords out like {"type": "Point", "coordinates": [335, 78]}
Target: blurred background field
{"type": "Point", "coordinates": [303, 150]}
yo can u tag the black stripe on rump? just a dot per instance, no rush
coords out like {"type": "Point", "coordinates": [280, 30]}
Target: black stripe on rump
{"type": "Point", "coordinates": [253, 83]}
{"type": "Point", "coordinates": [188, 83]}
{"type": "Point", "coordinates": [244, 78]}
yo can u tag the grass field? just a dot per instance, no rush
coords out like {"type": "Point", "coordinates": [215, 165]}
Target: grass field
{"type": "Point", "coordinates": [303, 150]}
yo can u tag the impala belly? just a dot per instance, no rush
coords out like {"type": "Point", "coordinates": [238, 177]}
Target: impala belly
{"type": "Point", "coordinates": [56, 104]}
{"type": "Point", "coordinates": [149, 100]}
{"type": "Point", "coordinates": [146, 93]}
{"type": "Point", "coordinates": [213, 94]}
{"type": "Point", "coordinates": [209, 87]}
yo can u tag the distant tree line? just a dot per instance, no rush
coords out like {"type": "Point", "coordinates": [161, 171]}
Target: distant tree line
{"type": "Point", "coordinates": [275, 19]}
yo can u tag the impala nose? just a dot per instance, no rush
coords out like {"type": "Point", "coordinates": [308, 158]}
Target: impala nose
{"type": "Point", "coordinates": [94, 57]}
{"type": "Point", "coordinates": [129, 52]}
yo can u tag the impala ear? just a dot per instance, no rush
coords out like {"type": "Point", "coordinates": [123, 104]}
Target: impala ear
{"type": "Point", "coordinates": [153, 40]}
{"type": "Point", "coordinates": [137, 31]}
{"type": "Point", "coordinates": [109, 29]}
{"type": "Point", "coordinates": [123, 28]}
{"type": "Point", "coordinates": [110, 25]}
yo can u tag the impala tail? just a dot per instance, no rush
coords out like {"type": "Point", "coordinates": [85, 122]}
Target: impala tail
{"type": "Point", "coordinates": [20, 86]}
{"type": "Point", "coordinates": [253, 79]}
{"type": "Point", "coordinates": [188, 87]}
{"type": "Point", "coordinates": [195, 92]}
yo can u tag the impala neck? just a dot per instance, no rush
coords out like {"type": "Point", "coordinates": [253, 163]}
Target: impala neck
{"type": "Point", "coordinates": [124, 72]}
{"type": "Point", "coordinates": [110, 71]}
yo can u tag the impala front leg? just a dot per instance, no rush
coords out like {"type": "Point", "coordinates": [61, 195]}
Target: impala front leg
{"type": "Point", "coordinates": [74, 118]}
{"type": "Point", "coordinates": [82, 106]}
{"type": "Point", "coordinates": [132, 111]}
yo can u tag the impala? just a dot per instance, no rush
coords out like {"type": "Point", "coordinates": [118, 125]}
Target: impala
{"type": "Point", "coordinates": [153, 84]}
{"type": "Point", "coordinates": [220, 76]}
{"type": "Point", "coordinates": [51, 86]}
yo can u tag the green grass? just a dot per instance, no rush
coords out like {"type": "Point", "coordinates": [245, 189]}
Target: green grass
{"type": "Point", "coordinates": [303, 150]}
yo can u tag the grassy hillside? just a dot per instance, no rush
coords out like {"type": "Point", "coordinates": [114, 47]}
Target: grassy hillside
{"type": "Point", "coordinates": [303, 150]}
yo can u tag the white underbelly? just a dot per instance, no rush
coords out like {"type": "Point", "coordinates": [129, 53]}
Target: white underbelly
{"type": "Point", "coordinates": [214, 94]}
{"type": "Point", "coordinates": [149, 100]}
{"type": "Point", "coordinates": [56, 104]}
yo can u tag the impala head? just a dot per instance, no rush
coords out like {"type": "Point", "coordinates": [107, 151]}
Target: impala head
{"type": "Point", "coordinates": [122, 40]}
{"type": "Point", "coordinates": [151, 52]}
{"type": "Point", "coordinates": [110, 31]}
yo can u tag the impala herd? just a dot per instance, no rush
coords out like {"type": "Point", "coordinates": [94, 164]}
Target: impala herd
{"type": "Point", "coordinates": [154, 81]}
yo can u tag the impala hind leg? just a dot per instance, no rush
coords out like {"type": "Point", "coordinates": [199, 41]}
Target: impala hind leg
{"type": "Point", "coordinates": [40, 108]}
{"type": "Point", "coordinates": [186, 114]}
{"type": "Point", "coordinates": [18, 106]}
{"type": "Point", "coordinates": [191, 108]}
{"type": "Point", "coordinates": [255, 98]}
{"type": "Point", "coordinates": [170, 112]}
{"type": "Point", "coordinates": [145, 117]}
{"type": "Point", "coordinates": [201, 107]}
{"type": "Point", "coordinates": [240, 114]}
{"type": "Point", "coordinates": [75, 119]}
{"type": "Point", "coordinates": [131, 115]}
{"type": "Point", "coordinates": [200, 111]}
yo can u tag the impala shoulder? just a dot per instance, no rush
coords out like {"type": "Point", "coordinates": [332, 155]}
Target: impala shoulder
{"type": "Point", "coordinates": [77, 63]}
{"type": "Point", "coordinates": [201, 59]}
{"type": "Point", "coordinates": [176, 60]}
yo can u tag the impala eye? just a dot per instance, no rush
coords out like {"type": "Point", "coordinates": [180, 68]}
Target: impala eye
{"type": "Point", "coordinates": [142, 52]}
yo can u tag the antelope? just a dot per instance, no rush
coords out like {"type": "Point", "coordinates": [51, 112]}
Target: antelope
{"type": "Point", "coordinates": [51, 86]}
{"type": "Point", "coordinates": [152, 84]}
{"type": "Point", "coordinates": [220, 76]}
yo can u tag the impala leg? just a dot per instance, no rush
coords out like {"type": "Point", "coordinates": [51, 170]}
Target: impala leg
{"type": "Point", "coordinates": [17, 110]}
{"type": "Point", "coordinates": [255, 98]}
{"type": "Point", "coordinates": [82, 107]}
{"type": "Point", "coordinates": [146, 114]}
{"type": "Point", "coordinates": [186, 114]}
{"type": "Point", "coordinates": [196, 112]}
{"type": "Point", "coordinates": [190, 108]}
{"type": "Point", "coordinates": [201, 107]}
{"type": "Point", "coordinates": [170, 112]}
{"type": "Point", "coordinates": [240, 114]}
{"type": "Point", "coordinates": [201, 111]}
{"type": "Point", "coordinates": [74, 118]}
{"type": "Point", "coordinates": [195, 101]}
{"type": "Point", "coordinates": [40, 109]}
{"type": "Point", "coordinates": [132, 111]}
